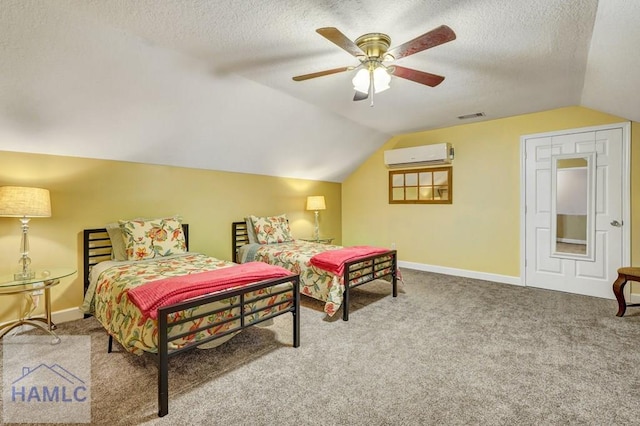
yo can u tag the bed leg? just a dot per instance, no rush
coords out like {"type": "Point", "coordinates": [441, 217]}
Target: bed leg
{"type": "Point", "coordinates": [345, 303]}
{"type": "Point", "coordinates": [345, 293]}
{"type": "Point", "coordinates": [110, 344]}
{"type": "Point", "coordinates": [296, 313]}
{"type": "Point", "coordinates": [394, 275]}
{"type": "Point", "coordinates": [163, 367]}
{"type": "Point", "coordinates": [394, 284]}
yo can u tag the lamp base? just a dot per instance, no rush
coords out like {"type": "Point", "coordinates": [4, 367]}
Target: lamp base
{"type": "Point", "coordinates": [25, 271]}
{"type": "Point", "coordinates": [26, 275]}
{"type": "Point", "coordinates": [316, 230]}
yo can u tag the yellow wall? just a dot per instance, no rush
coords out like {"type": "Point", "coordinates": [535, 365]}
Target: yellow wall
{"type": "Point", "coordinates": [480, 231]}
{"type": "Point", "coordinates": [91, 193]}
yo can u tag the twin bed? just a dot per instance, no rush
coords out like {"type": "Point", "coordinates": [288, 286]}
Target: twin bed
{"type": "Point", "coordinates": [167, 330]}
{"type": "Point", "coordinates": [154, 296]}
{"type": "Point", "coordinates": [358, 265]}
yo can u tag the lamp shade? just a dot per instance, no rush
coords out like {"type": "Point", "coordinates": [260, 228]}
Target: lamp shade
{"type": "Point", "coordinates": [20, 201]}
{"type": "Point", "coordinates": [316, 202]}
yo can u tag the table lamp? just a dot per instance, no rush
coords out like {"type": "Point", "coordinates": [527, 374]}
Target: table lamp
{"type": "Point", "coordinates": [24, 203]}
{"type": "Point", "coordinates": [316, 203]}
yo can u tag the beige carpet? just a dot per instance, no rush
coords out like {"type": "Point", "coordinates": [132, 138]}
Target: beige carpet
{"type": "Point", "coordinates": [447, 350]}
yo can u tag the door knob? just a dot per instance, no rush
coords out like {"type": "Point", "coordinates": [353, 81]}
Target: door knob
{"type": "Point", "coordinates": [616, 223]}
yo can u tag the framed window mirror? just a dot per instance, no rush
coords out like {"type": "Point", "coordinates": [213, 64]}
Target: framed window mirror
{"type": "Point", "coordinates": [421, 186]}
{"type": "Point", "coordinates": [573, 206]}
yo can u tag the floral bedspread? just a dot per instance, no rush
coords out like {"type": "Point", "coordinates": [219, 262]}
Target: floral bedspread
{"type": "Point", "coordinates": [314, 282]}
{"type": "Point", "coordinates": [106, 298]}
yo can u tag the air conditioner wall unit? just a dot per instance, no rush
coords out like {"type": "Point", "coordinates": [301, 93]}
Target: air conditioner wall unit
{"type": "Point", "coordinates": [426, 155]}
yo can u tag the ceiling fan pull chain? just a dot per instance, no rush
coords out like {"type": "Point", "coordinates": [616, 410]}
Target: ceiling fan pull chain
{"type": "Point", "coordinates": [371, 85]}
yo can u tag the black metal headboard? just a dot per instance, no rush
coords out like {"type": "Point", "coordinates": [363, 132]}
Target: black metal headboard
{"type": "Point", "coordinates": [97, 248]}
{"type": "Point", "coordinates": [239, 237]}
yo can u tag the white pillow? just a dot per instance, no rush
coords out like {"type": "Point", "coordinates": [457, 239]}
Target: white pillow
{"type": "Point", "coordinates": [118, 248]}
{"type": "Point", "coordinates": [251, 232]}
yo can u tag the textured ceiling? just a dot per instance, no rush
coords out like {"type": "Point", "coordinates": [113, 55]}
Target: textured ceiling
{"type": "Point", "coordinates": [207, 84]}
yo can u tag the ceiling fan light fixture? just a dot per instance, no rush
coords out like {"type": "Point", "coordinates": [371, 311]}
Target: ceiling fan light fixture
{"type": "Point", "coordinates": [361, 81]}
{"type": "Point", "coordinates": [381, 80]}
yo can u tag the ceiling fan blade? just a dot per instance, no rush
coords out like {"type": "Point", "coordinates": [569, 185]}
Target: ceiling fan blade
{"type": "Point", "coordinates": [342, 41]}
{"type": "Point", "coordinates": [433, 38]}
{"type": "Point", "coordinates": [359, 96]}
{"type": "Point", "coordinates": [418, 76]}
{"type": "Point", "coordinates": [321, 73]}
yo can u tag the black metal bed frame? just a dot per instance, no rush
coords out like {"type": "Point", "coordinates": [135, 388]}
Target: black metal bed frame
{"type": "Point", "coordinates": [356, 273]}
{"type": "Point", "coordinates": [97, 248]}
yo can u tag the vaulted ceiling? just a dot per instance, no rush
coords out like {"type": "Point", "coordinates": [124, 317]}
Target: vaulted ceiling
{"type": "Point", "coordinates": [207, 84]}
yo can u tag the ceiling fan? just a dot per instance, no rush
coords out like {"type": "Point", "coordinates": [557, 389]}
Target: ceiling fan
{"type": "Point", "coordinates": [372, 50]}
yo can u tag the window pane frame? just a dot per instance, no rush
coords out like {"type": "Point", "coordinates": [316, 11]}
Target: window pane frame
{"type": "Point", "coordinates": [417, 182]}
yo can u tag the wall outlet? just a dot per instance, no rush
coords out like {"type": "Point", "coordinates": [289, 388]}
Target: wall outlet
{"type": "Point", "coordinates": [37, 292]}
{"type": "Point", "coordinates": [393, 246]}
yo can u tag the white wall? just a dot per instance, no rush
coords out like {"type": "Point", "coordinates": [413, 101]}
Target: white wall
{"type": "Point", "coordinates": [72, 85]}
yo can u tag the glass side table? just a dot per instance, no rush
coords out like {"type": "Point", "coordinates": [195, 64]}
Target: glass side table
{"type": "Point", "coordinates": [43, 281]}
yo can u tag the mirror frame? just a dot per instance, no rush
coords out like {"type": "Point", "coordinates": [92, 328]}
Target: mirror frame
{"type": "Point", "coordinates": [590, 157]}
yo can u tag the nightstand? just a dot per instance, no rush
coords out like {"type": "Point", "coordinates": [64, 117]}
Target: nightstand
{"type": "Point", "coordinates": [321, 240]}
{"type": "Point", "coordinates": [42, 282]}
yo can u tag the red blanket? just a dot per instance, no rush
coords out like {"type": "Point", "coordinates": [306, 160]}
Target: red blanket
{"type": "Point", "coordinates": [334, 260]}
{"type": "Point", "coordinates": [149, 297]}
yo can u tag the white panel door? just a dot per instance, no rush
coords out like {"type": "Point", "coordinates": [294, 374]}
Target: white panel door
{"type": "Point", "coordinates": [545, 269]}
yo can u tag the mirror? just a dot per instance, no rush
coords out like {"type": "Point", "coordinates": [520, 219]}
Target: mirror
{"type": "Point", "coordinates": [572, 206]}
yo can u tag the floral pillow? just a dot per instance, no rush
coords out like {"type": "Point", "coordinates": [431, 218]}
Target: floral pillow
{"type": "Point", "coordinates": [149, 238]}
{"type": "Point", "coordinates": [271, 229]}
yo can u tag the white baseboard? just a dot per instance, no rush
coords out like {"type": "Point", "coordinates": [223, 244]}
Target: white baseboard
{"type": "Point", "coordinates": [57, 317]}
{"type": "Point", "coordinates": [633, 297]}
{"type": "Point", "coordinates": [67, 315]}
{"type": "Point", "coordinates": [571, 241]}
{"type": "Point", "coordinates": [504, 279]}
